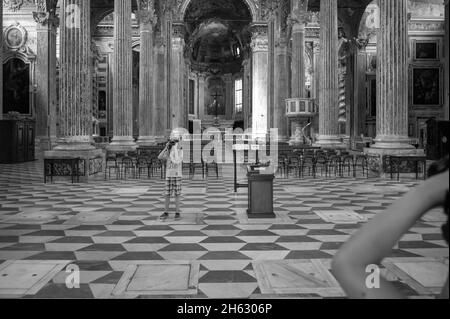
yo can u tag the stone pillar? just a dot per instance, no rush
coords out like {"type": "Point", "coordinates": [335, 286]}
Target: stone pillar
{"type": "Point", "coordinates": [328, 92]}
{"type": "Point", "coordinates": [147, 110]}
{"type": "Point", "coordinates": [122, 79]}
{"type": "Point", "coordinates": [298, 55]}
{"type": "Point", "coordinates": [281, 88]}
{"type": "Point", "coordinates": [447, 60]}
{"type": "Point", "coordinates": [260, 75]}
{"type": "Point", "coordinates": [316, 86]}
{"type": "Point", "coordinates": [47, 24]}
{"type": "Point", "coordinates": [75, 89]}
{"type": "Point", "coordinates": [1, 62]}
{"type": "Point", "coordinates": [229, 107]}
{"type": "Point", "coordinates": [201, 95]}
{"type": "Point", "coordinates": [392, 87]}
{"type": "Point", "coordinates": [75, 77]}
{"type": "Point", "coordinates": [160, 115]}
{"type": "Point", "coordinates": [392, 76]}
{"type": "Point", "coordinates": [177, 107]}
{"type": "Point", "coordinates": [246, 85]}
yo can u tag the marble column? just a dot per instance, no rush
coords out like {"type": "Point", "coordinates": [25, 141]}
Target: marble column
{"type": "Point", "coordinates": [229, 107]}
{"type": "Point", "coordinates": [122, 79]}
{"type": "Point", "coordinates": [392, 76]}
{"type": "Point", "coordinates": [1, 63]}
{"type": "Point", "coordinates": [147, 110]}
{"type": "Point", "coordinates": [298, 55]}
{"type": "Point", "coordinates": [201, 95]}
{"type": "Point", "coordinates": [75, 125]}
{"type": "Point", "coordinates": [329, 84]}
{"type": "Point", "coordinates": [246, 85]}
{"type": "Point", "coordinates": [177, 76]}
{"type": "Point", "coordinates": [160, 116]}
{"type": "Point", "coordinates": [281, 87]}
{"type": "Point", "coordinates": [260, 76]}
{"type": "Point", "coordinates": [46, 28]}
{"type": "Point", "coordinates": [447, 60]}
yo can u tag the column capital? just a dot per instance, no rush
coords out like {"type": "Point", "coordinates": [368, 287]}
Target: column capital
{"type": "Point", "coordinates": [146, 12]}
{"type": "Point", "coordinates": [178, 30]}
{"type": "Point", "coordinates": [45, 13]}
{"type": "Point", "coordinates": [260, 39]}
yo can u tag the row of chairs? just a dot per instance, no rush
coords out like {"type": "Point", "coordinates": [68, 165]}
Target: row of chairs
{"type": "Point", "coordinates": [149, 166]}
{"type": "Point", "coordinates": [327, 162]}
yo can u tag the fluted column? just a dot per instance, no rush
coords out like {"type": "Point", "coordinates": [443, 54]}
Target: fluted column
{"type": "Point", "coordinates": [147, 111]}
{"type": "Point", "coordinates": [229, 93]}
{"type": "Point", "coordinates": [161, 103]}
{"type": "Point", "coordinates": [447, 61]}
{"type": "Point", "coordinates": [75, 130]}
{"type": "Point", "coordinates": [329, 85]}
{"type": "Point", "coordinates": [201, 94]}
{"type": "Point", "coordinates": [392, 76]}
{"type": "Point", "coordinates": [260, 76]}
{"type": "Point", "coordinates": [122, 78]}
{"type": "Point", "coordinates": [246, 95]}
{"type": "Point", "coordinates": [281, 87]}
{"type": "Point", "coordinates": [177, 108]}
{"type": "Point", "coordinates": [1, 63]}
{"type": "Point", "coordinates": [298, 20]}
{"type": "Point", "coordinates": [47, 24]}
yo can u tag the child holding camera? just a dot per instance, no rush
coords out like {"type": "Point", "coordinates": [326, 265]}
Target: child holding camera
{"type": "Point", "coordinates": [173, 155]}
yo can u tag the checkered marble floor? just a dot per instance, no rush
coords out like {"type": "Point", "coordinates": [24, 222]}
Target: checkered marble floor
{"type": "Point", "coordinates": [106, 227]}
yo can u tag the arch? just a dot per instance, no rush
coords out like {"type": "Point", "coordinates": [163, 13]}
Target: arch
{"type": "Point", "coordinates": [29, 62]}
{"type": "Point", "coordinates": [250, 5]}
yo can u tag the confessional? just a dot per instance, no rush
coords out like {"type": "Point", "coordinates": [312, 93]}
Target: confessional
{"type": "Point", "coordinates": [17, 141]}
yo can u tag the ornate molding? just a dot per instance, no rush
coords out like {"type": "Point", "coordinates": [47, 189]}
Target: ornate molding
{"type": "Point", "coordinates": [178, 30]}
{"type": "Point", "coordinates": [16, 5]}
{"type": "Point", "coordinates": [260, 39]}
{"type": "Point", "coordinates": [146, 12]}
{"type": "Point", "coordinates": [15, 37]}
{"type": "Point", "coordinates": [45, 13]}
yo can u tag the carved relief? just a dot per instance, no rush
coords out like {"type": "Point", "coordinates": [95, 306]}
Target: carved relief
{"type": "Point", "coordinates": [146, 12]}
{"type": "Point", "coordinates": [45, 13]}
{"type": "Point", "coordinates": [260, 40]}
{"type": "Point", "coordinates": [16, 5]}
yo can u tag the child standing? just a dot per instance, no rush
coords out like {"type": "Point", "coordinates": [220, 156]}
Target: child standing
{"type": "Point", "coordinates": [173, 155]}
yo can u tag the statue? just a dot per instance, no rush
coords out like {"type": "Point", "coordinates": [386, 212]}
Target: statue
{"type": "Point", "coordinates": [300, 137]}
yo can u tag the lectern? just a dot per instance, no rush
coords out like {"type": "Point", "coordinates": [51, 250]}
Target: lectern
{"type": "Point", "coordinates": [260, 192]}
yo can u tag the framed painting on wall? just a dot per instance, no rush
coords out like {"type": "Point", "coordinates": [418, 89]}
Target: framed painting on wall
{"type": "Point", "coordinates": [426, 50]}
{"type": "Point", "coordinates": [426, 85]}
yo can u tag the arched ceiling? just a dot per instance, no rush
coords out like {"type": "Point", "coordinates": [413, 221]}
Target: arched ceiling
{"type": "Point", "coordinates": [217, 32]}
{"type": "Point", "coordinates": [233, 11]}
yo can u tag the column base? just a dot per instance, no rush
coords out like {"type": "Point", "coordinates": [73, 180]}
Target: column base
{"type": "Point", "coordinates": [329, 141]}
{"type": "Point", "coordinates": [76, 143]}
{"type": "Point", "coordinates": [146, 141]}
{"type": "Point", "coordinates": [42, 144]}
{"type": "Point", "coordinates": [91, 164]}
{"type": "Point", "coordinates": [122, 144]}
{"type": "Point", "coordinates": [376, 158]}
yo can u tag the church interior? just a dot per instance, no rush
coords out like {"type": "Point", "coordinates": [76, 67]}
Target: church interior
{"type": "Point", "coordinates": [344, 103]}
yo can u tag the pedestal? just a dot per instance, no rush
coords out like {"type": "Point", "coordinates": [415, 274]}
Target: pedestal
{"type": "Point", "coordinates": [260, 195]}
{"type": "Point", "coordinates": [376, 158]}
{"type": "Point", "coordinates": [92, 161]}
